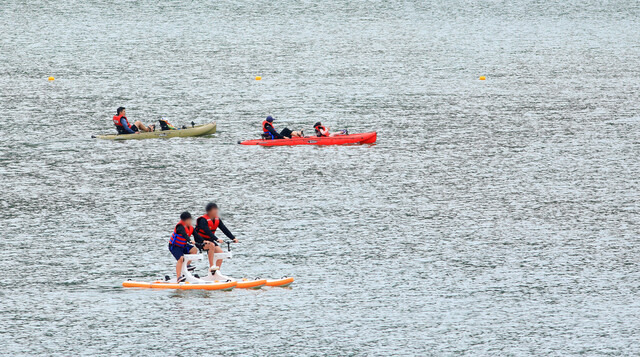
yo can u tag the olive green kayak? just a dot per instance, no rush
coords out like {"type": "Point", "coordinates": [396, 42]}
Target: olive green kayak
{"type": "Point", "coordinates": [197, 130]}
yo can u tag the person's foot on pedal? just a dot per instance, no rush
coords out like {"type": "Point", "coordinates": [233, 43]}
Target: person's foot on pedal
{"type": "Point", "coordinates": [191, 267]}
{"type": "Point", "coordinates": [181, 279]}
{"type": "Point", "coordinates": [213, 269]}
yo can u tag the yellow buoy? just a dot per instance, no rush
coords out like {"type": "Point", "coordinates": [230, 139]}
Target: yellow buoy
{"type": "Point", "coordinates": [258, 78]}
{"type": "Point", "coordinates": [482, 78]}
{"type": "Point", "coordinates": [51, 78]}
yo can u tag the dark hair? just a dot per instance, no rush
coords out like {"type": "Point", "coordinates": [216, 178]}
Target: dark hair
{"type": "Point", "coordinates": [120, 109]}
{"type": "Point", "coordinates": [210, 206]}
{"type": "Point", "coordinates": [185, 215]}
{"type": "Point", "coordinates": [317, 124]}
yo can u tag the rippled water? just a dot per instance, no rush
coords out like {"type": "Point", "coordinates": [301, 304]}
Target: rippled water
{"type": "Point", "coordinates": [493, 217]}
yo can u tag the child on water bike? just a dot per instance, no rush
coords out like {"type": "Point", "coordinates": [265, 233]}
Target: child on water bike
{"type": "Point", "coordinates": [179, 243]}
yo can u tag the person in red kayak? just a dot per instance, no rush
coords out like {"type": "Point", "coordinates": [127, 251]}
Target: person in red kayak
{"type": "Point", "coordinates": [270, 133]}
{"type": "Point", "coordinates": [123, 127]}
{"type": "Point", "coordinates": [322, 131]}
{"type": "Point", "coordinates": [205, 233]}
{"type": "Point", "coordinates": [179, 243]}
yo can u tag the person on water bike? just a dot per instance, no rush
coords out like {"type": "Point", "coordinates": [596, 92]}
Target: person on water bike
{"type": "Point", "coordinates": [205, 233]}
{"type": "Point", "coordinates": [269, 132]}
{"type": "Point", "coordinates": [123, 126]}
{"type": "Point", "coordinates": [179, 243]}
{"type": "Point", "coordinates": [322, 131]}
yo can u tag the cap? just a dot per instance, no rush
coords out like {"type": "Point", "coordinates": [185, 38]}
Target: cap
{"type": "Point", "coordinates": [270, 118]}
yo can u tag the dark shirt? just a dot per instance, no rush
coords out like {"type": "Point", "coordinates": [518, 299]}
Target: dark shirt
{"type": "Point", "coordinates": [182, 232]}
{"type": "Point", "coordinates": [202, 224]}
{"type": "Point", "coordinates": [125, 126]}
{"type": "Point", "coordinates": [273, 131]}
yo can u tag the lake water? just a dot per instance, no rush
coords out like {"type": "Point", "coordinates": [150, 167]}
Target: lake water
{"type": "Point", "coordinates": [495, 217]}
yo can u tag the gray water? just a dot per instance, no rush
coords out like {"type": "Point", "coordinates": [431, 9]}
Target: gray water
{"type": "Point", "coordinates": [493, 217]}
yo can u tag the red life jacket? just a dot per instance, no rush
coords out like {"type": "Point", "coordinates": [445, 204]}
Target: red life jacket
{"type": "Point", "coordinates": [264, 127]}
{"type": "Point", "coordinates": [212, 223]}
{"type": "Point", "coordinates": [117, 123]}
{"type": "Point", "coordinates": [177, 239]}
{"type": "Point", "coordinates": [320, 129]}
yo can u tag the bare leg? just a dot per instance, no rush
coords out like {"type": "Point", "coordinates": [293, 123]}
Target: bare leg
{"type": "Point", "coordinates": [210, 255]}
{"type": "Point", "coordinates": [209, 248]}
{"type": "Point", "coordinates": [141, 126]}
{"type": "Point", "coordinates": [179, 267]}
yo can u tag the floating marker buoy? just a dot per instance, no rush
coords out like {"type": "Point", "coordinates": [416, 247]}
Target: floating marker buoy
{"type": "Point", "coordinates": [51, 78]}
{"type": "Point", "coordinates": [482, 78]}
{"type": "Point", "coordinates": [258, 78]}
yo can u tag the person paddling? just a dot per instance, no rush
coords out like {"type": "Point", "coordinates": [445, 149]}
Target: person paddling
{"type": "Point", "coordinates": [206, 226]}
{"type": "Point", "coordinates": [269, 131]}
{"type": "Point", "coordinates": [179, 243]}
{"type": "Point", "coordinates": [123, 127]}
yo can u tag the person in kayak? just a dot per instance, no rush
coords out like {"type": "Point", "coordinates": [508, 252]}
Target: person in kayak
{"type": "Point", "coordinates": [179, 243]}
{"type": "Point", "coordinates": [269, 132]}
{"type": "Point", "coordinates": [205, 233]}
{"type": "Point", "coordinates": [322, 131]}
{"type": "Point", "coordinates": [123, 127]}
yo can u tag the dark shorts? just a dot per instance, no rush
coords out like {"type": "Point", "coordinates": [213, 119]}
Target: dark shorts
{"type": "Point", "coordinates": [201, 245]}
{"type": "Point", "coordinates": [178, 252]}
{"type": "Point", "coordinates": [122, 131]}
{"type": "Point", "coordinates": [286, 132]}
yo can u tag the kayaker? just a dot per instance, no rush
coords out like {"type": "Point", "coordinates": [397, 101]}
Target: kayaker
{"type": "Point", "coordinates": [269, 132]}
{"type": "Point", "coordinates": [122, 124]}
{"type": "Point", "coordinates": [322, 131]}
{"type": "Point", "coordinates": [179, 243]}
{"type": "Point", "coordinates": [206, 226]}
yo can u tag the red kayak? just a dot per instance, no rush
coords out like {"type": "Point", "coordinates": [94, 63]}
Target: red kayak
{"type": "Point", "coordinates": [364, 138]}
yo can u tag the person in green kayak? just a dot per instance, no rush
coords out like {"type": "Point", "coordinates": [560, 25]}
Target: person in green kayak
{"type": "Point", "coordinates": [123, 127]}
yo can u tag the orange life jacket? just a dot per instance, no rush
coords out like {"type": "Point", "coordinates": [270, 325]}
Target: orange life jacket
{"type": "Point", "coordinates": [117, 123]}
{"type": "Point", "coordinates": [179, 240]}
{"type": "Point", "coordinates": [212, 223]}
{"type": "Point", "coordinates": [320, 129]}
{"type": "Point", "coordinates": [264, 126]}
